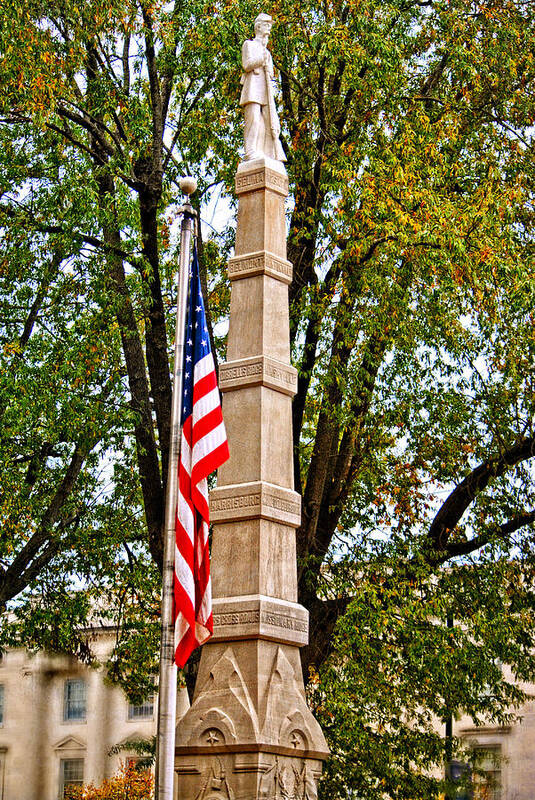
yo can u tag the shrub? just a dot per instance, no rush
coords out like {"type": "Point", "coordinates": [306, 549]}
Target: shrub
{"type": "Point", "coordinates": [129, 784]}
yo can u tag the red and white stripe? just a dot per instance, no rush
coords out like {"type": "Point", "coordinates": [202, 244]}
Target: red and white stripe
{"type": "Point", "coordinates": [204, 448]}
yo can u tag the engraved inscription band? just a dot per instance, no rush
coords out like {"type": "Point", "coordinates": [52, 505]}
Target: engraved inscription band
{"type": "Point", "coordinates": [263, 178]}
{"type": "Point", "coordinates": [258, 616]}
{"type": "Point", "coordinates": [265, 617]}
{"type": "Point", "coordinates": [258, 371]}
{"type": "Point", "coordinates": [256, 500]}
{"type": "Point", "coordinates": [260, 262]}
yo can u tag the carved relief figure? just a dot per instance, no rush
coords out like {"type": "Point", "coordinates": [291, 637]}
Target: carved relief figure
{"type": "Point", "coordinates": [215, 786]}
{"type": "Point", "coordinates": [262, 127]}
{"type": "Point", "coordinates": [288, 779]}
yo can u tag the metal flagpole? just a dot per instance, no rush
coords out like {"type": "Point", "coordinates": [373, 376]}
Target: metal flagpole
{"type": "Point", "coordinates": [165, 739]}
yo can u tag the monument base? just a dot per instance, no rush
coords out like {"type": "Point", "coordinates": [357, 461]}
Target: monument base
{"type": "Point", "coordinates": [249, 732]}
{"type": "Point", "coordinates": [246, 775]}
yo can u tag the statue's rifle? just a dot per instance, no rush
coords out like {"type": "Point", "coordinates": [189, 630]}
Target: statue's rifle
{"type": "Point", "coordinates": [274, 123]}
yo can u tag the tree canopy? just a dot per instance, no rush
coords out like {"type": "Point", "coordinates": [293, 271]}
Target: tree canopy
{"type": "Point", "coordinates": [408, 128]}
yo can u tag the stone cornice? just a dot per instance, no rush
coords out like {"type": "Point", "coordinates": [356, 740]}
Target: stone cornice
{"type": "Point", "coordinates": [261, 262]}
{"type": "Point", "coordinates": [255, 500]}
{"type": "Point", "coordinates": [261, 177]}
{"type": "Point", "coordinates": [254, 747]}
{"type": "Point", "coordinates": [258, 371]}
{"type": "Point", "coordinates": [259, 617]}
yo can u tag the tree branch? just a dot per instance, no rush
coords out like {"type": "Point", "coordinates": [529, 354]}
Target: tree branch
{"type": "Point", "coordinates": [147, 455]}
{"type": "Point", "coordinates": [81, 237]}
{"type": "Point", "coordinates": [499, 532]}
{"type": "Point", "coordinates": [169, 73]}
{"type": "Point", "coordinates": [463, 495]}
{"type": "Point", "coordinates": [13, 582]}
{"type": "Point", "coordinates": [155, 92]}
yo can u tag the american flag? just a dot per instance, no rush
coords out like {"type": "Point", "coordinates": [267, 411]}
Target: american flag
{"type": "Point", "coordinates": [203, 449]}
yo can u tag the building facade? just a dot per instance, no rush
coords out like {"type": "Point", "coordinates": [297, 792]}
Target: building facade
{"type": "Point", "coordinates": [58, 721]}
{"type": "Point", "coordinates": [505, 754]}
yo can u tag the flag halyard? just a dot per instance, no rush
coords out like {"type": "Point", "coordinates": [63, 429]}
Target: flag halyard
{"type": "Point", "coordinates": [203, 449]}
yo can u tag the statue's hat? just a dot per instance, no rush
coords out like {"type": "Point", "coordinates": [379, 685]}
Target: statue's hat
{"type": "Point", "coordinates": [263, 18]}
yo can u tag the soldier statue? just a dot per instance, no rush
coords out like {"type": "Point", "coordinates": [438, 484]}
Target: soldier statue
{"type": "Point", "coordinates": [262, 127]}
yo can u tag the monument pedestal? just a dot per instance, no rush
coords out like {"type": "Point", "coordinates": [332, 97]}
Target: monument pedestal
{"type": "Point", "coordinates": [249, 732]}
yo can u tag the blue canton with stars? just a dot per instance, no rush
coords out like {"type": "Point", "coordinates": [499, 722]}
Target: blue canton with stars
{"type": "Point", "coordinates": [197, 340]}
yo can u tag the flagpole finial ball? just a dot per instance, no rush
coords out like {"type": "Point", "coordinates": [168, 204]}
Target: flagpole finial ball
{"type": "Point", "coordinates": [188, 185]}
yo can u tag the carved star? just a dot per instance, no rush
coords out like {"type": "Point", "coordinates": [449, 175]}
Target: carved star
{"type": "Point", "coordinates": [212, 737]}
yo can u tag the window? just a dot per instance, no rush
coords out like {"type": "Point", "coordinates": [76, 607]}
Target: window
{"type": "Point", "coordinates": [144, 711]}
{"type": "Point", "coordinates": [1, 704]}
{"type": "Point", "coordinates": [74, 701]}
{"type": "Point", "coordinates": [71, 774]}
{"type": "Point", "coordinates": [487, 776]}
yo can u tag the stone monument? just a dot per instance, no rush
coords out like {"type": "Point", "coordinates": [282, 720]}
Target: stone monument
{"type": "Point", "coordinates": [249, 732]}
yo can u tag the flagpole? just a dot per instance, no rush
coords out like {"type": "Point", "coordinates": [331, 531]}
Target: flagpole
{"type": "Point", "coordinates": [165, 739]}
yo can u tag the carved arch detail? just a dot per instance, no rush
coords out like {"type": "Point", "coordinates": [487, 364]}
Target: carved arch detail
{"type": "Point", "coordinates": [223, 689]}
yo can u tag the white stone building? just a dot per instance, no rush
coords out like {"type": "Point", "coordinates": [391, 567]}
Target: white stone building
{"type": "Point", "coordinates": [505, 753]}
{"type": "Point", "coordinates": [58, 721]}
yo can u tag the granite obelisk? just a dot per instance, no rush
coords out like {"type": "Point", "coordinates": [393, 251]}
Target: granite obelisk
{"type": "Point", "coordinates": [249, 732]}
